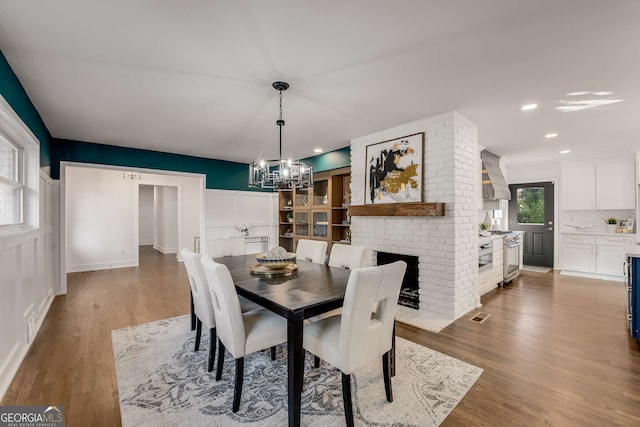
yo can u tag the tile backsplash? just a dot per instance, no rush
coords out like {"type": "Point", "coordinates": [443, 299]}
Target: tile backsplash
{"type": "Point", "coordinates": [591, 220]}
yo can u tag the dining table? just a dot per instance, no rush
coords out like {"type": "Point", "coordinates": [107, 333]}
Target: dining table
{"type": "Point", "coordinates": [310, 290]}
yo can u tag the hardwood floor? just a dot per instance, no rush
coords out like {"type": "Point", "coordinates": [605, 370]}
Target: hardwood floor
{"type": "Point", "coordinates": [555, 350]}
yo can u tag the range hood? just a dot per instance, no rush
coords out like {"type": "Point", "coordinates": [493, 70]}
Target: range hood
{"type": "Point", "coordinates": [494, 186]}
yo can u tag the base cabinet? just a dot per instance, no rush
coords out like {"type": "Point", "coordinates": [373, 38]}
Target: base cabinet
{"type": "Point", "coordinates": [610, 260]}
{"type": "Point", "coordinates": [578, 257]}
{"type": "Point", "coordinates": [490, 279]}
{"type": "Point", "coordinates": [593, 254]}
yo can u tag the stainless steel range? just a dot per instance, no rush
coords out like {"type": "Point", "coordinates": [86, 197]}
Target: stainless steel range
{"type": "Point", "coordinates": [511, 254]}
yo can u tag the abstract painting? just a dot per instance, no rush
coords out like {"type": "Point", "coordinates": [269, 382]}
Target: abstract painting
{"type": "Point", "coordinates": [394, 170]}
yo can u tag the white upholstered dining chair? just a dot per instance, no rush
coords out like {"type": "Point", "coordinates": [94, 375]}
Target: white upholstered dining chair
{"type": "Point", "coordinates": [314, 251]}
{"type": "Point", "coordinates": [240, 333]}
{"type": "Point", "coordinates": [202, 304]}
{"type": "Point", "coordinates": [346, 256]}
{"type": "Point", "coordinates": [343, 256]}
{"type": "Point", "coordinates": [356, 337]}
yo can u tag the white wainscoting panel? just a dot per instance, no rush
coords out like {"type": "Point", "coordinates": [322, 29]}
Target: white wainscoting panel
{"type": "Point", "coordinates": [227, 209]}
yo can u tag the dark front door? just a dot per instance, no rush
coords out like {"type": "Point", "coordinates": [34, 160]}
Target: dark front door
{"type": "Point", "coordinates": [531, 211]}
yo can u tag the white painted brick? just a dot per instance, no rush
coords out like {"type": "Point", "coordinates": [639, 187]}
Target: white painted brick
{"type": "Point", "coordinates": [446, 246]}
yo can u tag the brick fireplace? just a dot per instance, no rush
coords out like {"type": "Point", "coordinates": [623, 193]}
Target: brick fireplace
{"type": "Point", "coordinates": [446, 247]}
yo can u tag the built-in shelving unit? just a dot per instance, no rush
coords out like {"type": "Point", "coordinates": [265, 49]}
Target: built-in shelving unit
{"type": "Point", "coordinates": [317, 214]}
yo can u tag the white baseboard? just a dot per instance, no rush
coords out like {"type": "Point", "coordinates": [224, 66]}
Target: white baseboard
{"type": "Point", "coordinates": [165, 251]}
{"type": "Point", "coordinates": [593, 275]}
{"type": "Point", "coordinates": [11, 365]}
{"type": "Point", "coordinates": [101, 266]}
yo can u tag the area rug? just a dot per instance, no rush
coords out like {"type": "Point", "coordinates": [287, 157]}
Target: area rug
{"type": "Point", "coordinates": [535, 269]}
{"type": "Point", "coordinates": [162, 381]}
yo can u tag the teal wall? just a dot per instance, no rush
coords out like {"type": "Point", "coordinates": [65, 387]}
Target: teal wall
{"type": "Point", "coordinates": [220, 174]}
{"type": "Point", "coordinates": [12, 91]}
{"type": "Point", "coordinates": [332, 160]}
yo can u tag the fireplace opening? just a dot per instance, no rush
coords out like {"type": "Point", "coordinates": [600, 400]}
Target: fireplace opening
{"type": "Point", "coordinates": [409, 296]}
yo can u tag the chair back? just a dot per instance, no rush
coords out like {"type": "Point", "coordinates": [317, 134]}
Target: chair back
{"type": "Point", "coordinates": [346, 256]}
{"type": "Point", "coordinates": [202, 305]}
{"type": "Point", "coordinates": [217, 248]}
{"type": "Point", "coordinates": [314, 251]}
{"type": "Point", "coordinates": [226, 305]}
{"type": "Point", "coordinates": [363, 336]}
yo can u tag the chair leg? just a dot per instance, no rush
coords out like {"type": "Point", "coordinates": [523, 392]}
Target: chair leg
{"type": "Point", "coordinates": [220, 360]}
{"type": "Point", "coordinates": [316, 362]}
{"type": "Point", "coordinates": [198, 333]}
{"type": "Point", "coordinates": [237, 391]}
{"type": "Point", "coordinates": [273, 353]}
{"type": "Point", "coordinates": [346, 397]}
{"type": "Point", "coordinates": [386, 373]}
{"type": "Point", "coordinates": [212, 348]}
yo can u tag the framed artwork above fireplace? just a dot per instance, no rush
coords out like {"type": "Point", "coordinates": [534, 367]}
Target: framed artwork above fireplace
{"type": "Point", "coordinates": [394, 170]}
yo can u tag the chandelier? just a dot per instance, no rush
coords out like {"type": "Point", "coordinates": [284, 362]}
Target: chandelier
{"type": "Point", "coordinates": [281, 174]}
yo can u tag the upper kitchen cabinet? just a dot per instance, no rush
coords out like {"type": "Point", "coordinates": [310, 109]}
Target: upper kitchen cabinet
{"type": "Point", "coordinates": [615, 186]}
{"type": "Point", "coordinates": [609, 186]}
{"type": "Point", "coordinates": [578, 187]}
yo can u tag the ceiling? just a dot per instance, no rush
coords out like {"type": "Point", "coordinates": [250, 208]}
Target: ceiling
{"type": "Point", "coordinates": [195, 77]}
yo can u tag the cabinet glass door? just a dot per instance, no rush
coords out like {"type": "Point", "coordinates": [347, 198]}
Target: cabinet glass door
{"type": "Point", "coordinates": [302, 223]}
{"type": "Point", "coordinates": [321, 193]}
{"type": "Point", "coordinates": [320, 224]}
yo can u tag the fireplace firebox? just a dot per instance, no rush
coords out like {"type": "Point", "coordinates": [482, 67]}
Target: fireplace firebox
{"type": "Point", "coordinates": [409, 296]}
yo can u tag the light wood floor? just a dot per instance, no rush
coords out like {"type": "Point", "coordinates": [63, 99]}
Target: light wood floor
{"type": "Point", "coordinates": [555, 351]}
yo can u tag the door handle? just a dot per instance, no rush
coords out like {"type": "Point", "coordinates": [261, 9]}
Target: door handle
{"type": "Point", "coordinates": [550, 228]}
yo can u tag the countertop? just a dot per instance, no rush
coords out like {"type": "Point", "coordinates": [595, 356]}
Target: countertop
{"type": "Point", "coordinates": [632, 248]}
{"type": "Point", "coordinates": [486, 239]}
{"type": "Point", "coordinates": [602, 233]}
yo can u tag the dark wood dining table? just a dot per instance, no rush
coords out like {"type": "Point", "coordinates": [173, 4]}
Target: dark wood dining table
{"type": "Point", "coordinates": [313, 289]}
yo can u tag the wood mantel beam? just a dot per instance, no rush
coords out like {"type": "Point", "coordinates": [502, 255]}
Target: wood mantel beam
{"type": "Point", "coordinates": [398, 209]}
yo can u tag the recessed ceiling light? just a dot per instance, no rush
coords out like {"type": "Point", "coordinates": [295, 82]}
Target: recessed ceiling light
{"type": "Point", "coordinates": [599, 93]}
{"type": "Point", "coordinates": [317, 150]}
{"type": "Point", "coordinates": [565, 151]}
{"type": "Point", "coordinates": [585, 104]}
{"type": "Point", "coordinates": [529, 107]}
{"type": "Point", "coordinates": [551, 135]}
{"type": "Point", "coordinates": [577, 93]}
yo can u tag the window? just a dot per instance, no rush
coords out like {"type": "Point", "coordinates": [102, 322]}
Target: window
{"type": "Point", "coordinates": [19, 173]}
{"type": "Point", "coordinates": [11, 184]}
{"type": "Point", "coordinates": [530, 205]}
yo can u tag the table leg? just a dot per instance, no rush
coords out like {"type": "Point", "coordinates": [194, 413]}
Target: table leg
{"type": "Point", "coordinates": [295, 363]}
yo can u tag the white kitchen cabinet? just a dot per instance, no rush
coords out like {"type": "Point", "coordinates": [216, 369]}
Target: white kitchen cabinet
{"type": "Point", "coordinates": [578, 256]}
{"type": "Point", "coordinates": [490, 279]}
{"type": "Point", "coordinates": [598, 255]}
{"type": "Point", "coordinates": [578, 187]}
{"type": "Point", "coordinates": [610, 186]}
{"type": "Point", "coordinates": [616, 186]}
{"type": "Point", "coordinates": [610, 255]}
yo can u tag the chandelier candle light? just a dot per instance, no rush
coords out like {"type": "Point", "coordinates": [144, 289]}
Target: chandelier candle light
{"type": "Point", "coordinates": [281, 174]}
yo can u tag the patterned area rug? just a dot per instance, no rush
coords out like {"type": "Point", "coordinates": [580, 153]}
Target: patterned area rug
{"type": "Point", "coordinates": [162, 381]}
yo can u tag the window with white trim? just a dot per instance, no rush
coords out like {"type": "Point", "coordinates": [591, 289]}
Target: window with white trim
{"type": "Point", "coordinates": [11, 184]}
{"type": "Point", "coordinates": [19, 174]}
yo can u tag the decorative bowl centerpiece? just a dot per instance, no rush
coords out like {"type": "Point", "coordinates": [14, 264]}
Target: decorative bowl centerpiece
{"type": "Point", "coordinates": [276, 259]}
